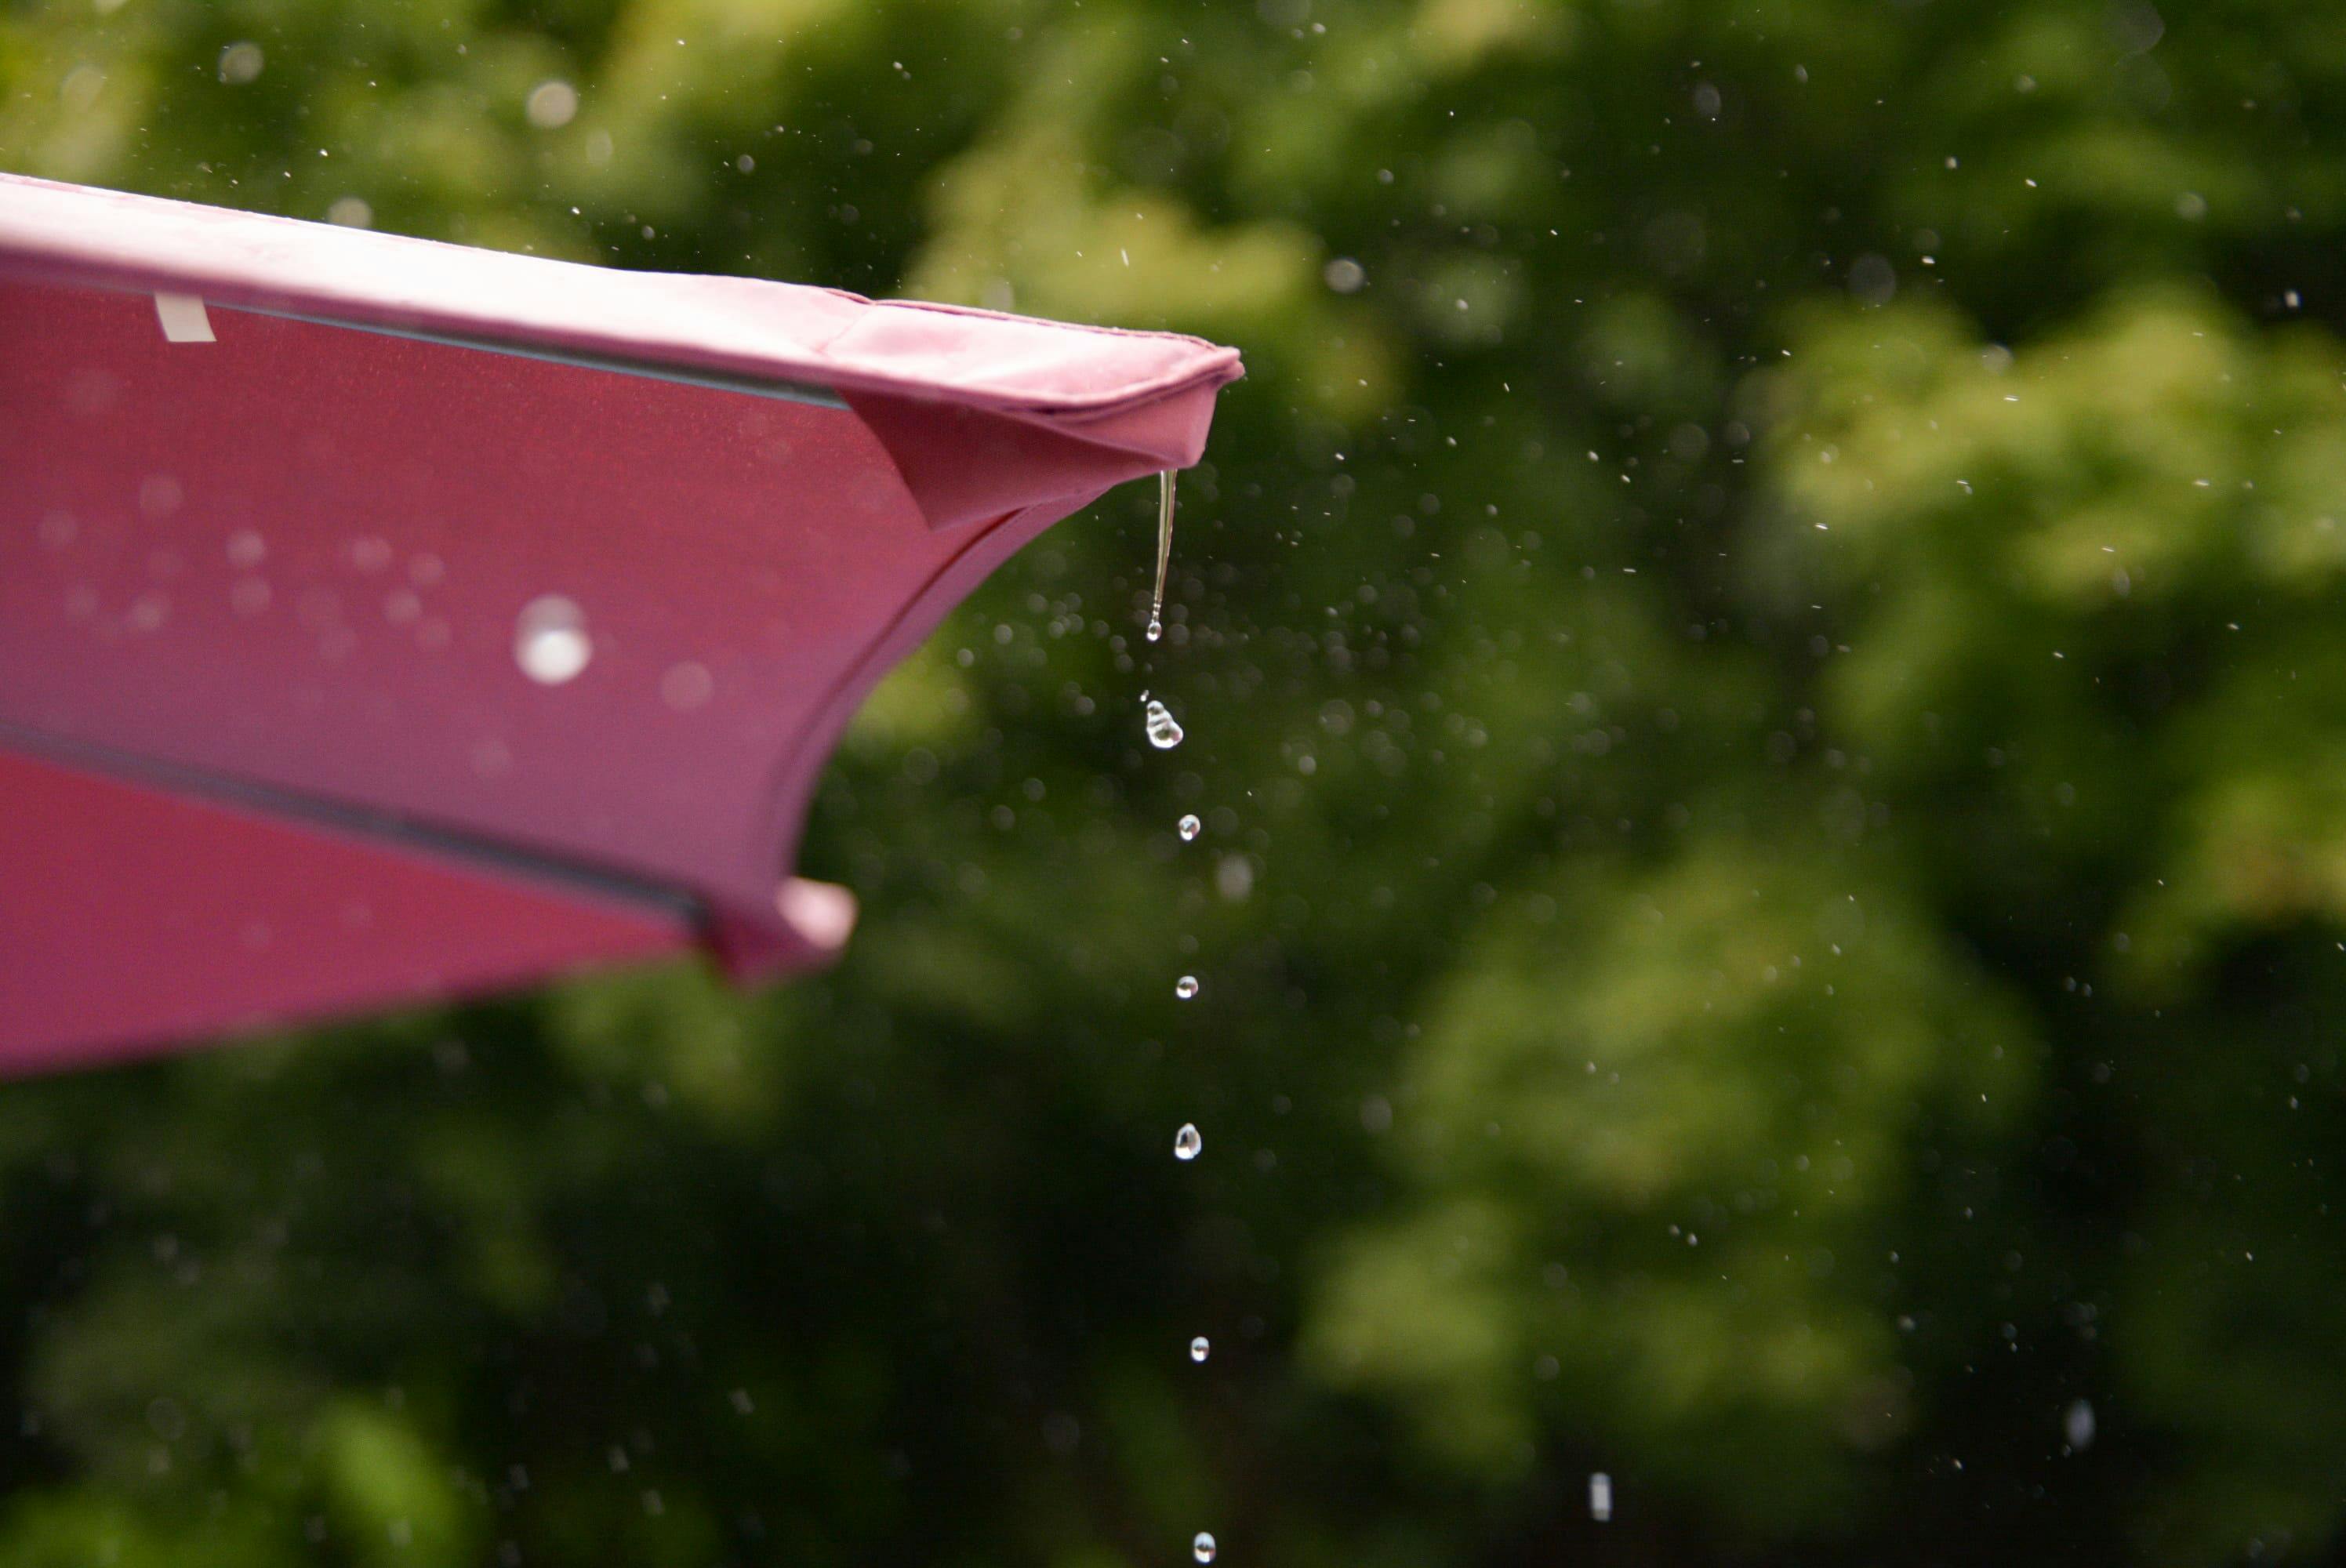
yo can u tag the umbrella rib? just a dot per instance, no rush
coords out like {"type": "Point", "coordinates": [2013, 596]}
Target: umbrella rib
{"type": "Point", "coordinates": [362, 821]}
{"type": "Point", "coordinates": [651, 370]}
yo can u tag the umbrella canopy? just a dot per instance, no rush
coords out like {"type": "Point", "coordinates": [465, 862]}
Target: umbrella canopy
{"type": "Point", "coordinates": [383, 618]}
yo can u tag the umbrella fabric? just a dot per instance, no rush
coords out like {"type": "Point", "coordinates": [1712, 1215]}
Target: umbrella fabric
{"type": "Point", "coordinates": [383, 618]}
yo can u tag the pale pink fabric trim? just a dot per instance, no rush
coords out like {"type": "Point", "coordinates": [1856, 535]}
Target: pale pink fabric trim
{"type": "Point", "coordinates": [1012, 365]}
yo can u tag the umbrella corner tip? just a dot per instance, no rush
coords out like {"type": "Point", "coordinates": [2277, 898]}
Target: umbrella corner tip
{"type": "Point", "coordinates": [808, 928]}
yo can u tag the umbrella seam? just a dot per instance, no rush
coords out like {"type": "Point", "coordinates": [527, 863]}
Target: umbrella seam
{"type": "Point", "coordinates": [372, 823]}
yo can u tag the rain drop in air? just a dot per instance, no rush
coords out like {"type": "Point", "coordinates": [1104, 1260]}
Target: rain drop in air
{"type": "Point", "coordinates": [1163, 733]}
{"type": "Point", "coordinates": [1186, 987]}
{"type": "Point", "coordinates": [1202, 1548]}
{"type": "Point", "coordinates": [1187, 1143]}
{"type": "Point", "coordinates": [2078, 1424]}
{"type": "Point", "coordinates": [1199, 1349]}
{"type": "Point", "coordinates": [1190, 826]}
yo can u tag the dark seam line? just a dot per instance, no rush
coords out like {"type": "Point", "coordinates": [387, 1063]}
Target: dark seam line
{"type": "Point", "coordinates": [711, 380]}
{"type": "Point", "coordinates": [362, 821]}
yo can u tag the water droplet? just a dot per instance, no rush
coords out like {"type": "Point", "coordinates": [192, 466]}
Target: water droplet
{"type": "Point", "coordinates": [1163, 733]}
{"type": "Point", "coordinates": [552, 105]}
{"type": "Point", "coordinates": [1186, 987]}
{"type": "Point", "coordinates": [1187, 1143]}
{"type": "Point", "coordinates": [1156, 628]}
{"type": "Point", "coordinates": [1202, 1548]}
{"type": "Point", "coordinates": [1198, 1349]}
{"type": "Point", "coordinates": [550, 640]}
{"type": "Point", "coordinates": [2077, 1425]}
{"type": "Point", "coordinates": [688, 686]}
{"type": "Point", "coordinates": [1234, 877]}
{"type": "Point", "coordinates": [240, 63]}
{"type": "Point", "coordinates": [1600, 1497]}
{"type": "Point", "coordinates": [1190, 826]}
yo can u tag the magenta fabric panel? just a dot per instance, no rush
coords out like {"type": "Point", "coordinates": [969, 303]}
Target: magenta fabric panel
{"type": "Point", "coordinates": [135, 919]}
{"type": "Point", "coordinates": [299, 556]}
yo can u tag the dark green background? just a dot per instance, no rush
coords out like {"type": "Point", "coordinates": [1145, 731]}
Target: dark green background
{"type": "Point", "coordinates": [1765, 663]}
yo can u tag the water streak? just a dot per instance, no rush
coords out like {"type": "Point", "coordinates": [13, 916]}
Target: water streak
{"type": "Point", "coordinates": [1164, 552]}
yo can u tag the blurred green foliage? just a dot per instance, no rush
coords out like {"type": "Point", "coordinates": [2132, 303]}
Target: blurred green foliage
{"type": "Point", "coordinates": [1766, 676]}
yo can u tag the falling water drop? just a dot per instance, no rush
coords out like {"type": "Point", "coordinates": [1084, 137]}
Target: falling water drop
{"type": "Point", "coordinates": [1600, 1497]}
{"type": "Point", "coordinates": [1163, 733]}
{"type": "Point", "coordinates": [1187, 1143]}
{"type": "Point", "coordinates": [1164, 552]}
{"type": "Point", "coordinates": [1199, 1349]}
{"type": "Point", "coordinates": [1190, 826]}
{"type": "Point", "coordinates": [2078, 1424]}
{"type": "Point", "coordinates": [1186, 987]}
{"type": "Point", "coordinates": [1202, 1548]}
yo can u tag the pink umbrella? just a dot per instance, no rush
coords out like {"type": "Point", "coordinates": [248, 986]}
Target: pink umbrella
{"type": "Point", "coordinates": [381, 618]}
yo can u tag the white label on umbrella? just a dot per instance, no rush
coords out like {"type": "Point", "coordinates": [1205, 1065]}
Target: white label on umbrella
{"type": "Point", "coordinates": [183, 318]}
